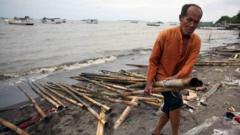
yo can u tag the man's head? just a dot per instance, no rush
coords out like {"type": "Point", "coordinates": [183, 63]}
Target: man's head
{"type": "Point", "coordinates": [190, 17]}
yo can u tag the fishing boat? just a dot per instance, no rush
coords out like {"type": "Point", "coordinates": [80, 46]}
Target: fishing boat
{"type": "Point", "coordinates": [92, 21]}
{"type": "Point", "coordinates": [52, 20]}
{"type": "Point", "coordinates": [153, 24]}
{"type": "Point", "coordinates": [21, 21]}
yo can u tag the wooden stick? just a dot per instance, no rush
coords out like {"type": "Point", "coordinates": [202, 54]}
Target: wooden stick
{"type": "Point", "coordinates": [85, 104]}
{"type": "Point", "coordinates": [88, 98]}
{"type": "Point", "coordinates": [12, 127]}
{"type": "Point", "coordinates": [36, 106]}
{"type": "Point", "coordinates": [51, 101]}
{"type": "Point", "coordinates": [132, 74]}
{"type": "Point", "coordinates": [72, 101]}
{"type": "Point", "coordinates": [101, 85]}
{"type": "Point", "coordinates": [124, 115]}
{"type": "Point", "coordinates": [209, 93]}
{"type": "Point", "coordinates": [218, 63]}
{"type": "Point", "coordinates": [137, 65]}
{"type": "Point", "coordinates": [100, 127]}
{"type": "Point", "coordinates": [52, 97]}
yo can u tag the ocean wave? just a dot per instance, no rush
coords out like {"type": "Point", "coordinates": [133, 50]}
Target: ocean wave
{"type": "Point", "coordinates": [113, 55]}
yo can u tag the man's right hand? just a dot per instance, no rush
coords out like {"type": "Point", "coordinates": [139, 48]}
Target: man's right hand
{"type": "Point", "coordinates": [148, 89]}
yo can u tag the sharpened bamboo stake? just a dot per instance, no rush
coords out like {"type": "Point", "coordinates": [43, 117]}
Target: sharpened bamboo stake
{"type": "Point", "coordinates": [88, 98]}
{"type": "Point", "coordinates": [72, 101]}
{"type": "Point", "coordinates": [12, 127]}
{"type": "Point", "coordinates": [100, 127]}
{"type": "Point", "coordinates": [36, 106]}
{"type": "Point", "coordinates": [94, 113]}
{"type": "Point", "coordinates": [124, 115]}
{"type": "Point", "coordinates": [51, 101]}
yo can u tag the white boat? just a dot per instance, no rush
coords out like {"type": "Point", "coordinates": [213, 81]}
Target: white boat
{"type": "Point", "coordinates": [92, 21]}
{"type": "Point", "coordinates": [21, 21]}
{"type": "Point", "coordinates": [153, 24]}
{"type": "Point", "coordinates": [53, 20]}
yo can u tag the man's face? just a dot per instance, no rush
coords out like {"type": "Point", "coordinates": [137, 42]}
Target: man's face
{"type": "Point", "coordinates": [190, 22]}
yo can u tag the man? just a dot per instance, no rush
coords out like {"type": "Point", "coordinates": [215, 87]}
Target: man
{"type": "Point", "coordinates": [173, 56]}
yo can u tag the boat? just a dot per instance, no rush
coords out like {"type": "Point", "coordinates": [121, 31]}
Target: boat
{"type": "Point", "coordinates": [21, 21]}
{"type": "Point", "coordinates": [153, 24]}
{"type": "Point", "coordinates": [92, 21]}
{"type": "Point", "coordinates": [53, 20]}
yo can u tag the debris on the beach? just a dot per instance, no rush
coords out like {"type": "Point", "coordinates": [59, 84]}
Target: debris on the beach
{"type": "Point", "coordinates": [209, 93]}
{"type": "Point", "coordinates": [111, 87]}
{"type": "Point", "coordinates": [207, 123]}
{"type": "Point", "coordinates": [12, 127]}
{"type": "Point", "coordinates": [37, 107]}
{"type": "Point", "coordinates": [125, 113]}
{"type": "Point", "coordinates": [191, 95]}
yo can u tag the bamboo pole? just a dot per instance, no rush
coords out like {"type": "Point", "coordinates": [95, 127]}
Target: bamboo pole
{"type": "Point", "coordinates": [179, 83]}
{"type": "Point", "coordinates": [12, 127]}
{"type": "Point", "coordinates": [189, 105]}
{"type": "Point", "coordinates": [124, 115]}
{"type": "Point", "coordinates": [204, 98]}
{"type": "Point", "coordinates": [155, 90]}
{"type": "Point", "coordinates": [218, 63]}
{"type": "Point", "coordinates": [132, 74]}
{"type": "Point", "coordinates": [36, 106]}
{"type": "Point", "coordinates": [88, 98]}
{"type": "Point", "coordinates": [100, 127]}
{"type": "Point", "coordinates": [92, 111]}
{"type": "Point", "coordinates": [153, 103]}
{"type": "Point", "coordinates": [72, 101]}
{"type": "Point", "coordinates": [51, 96]}
{"type": "Point", "coordinates": [51, 101]}
{"type": "Point", "coordinates": [101, 85]}
{"type": "Point", "coordinates": [137, 65]}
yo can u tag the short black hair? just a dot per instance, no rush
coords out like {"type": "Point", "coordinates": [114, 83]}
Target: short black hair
{"type": "Point", "coordinates": [185, 8]}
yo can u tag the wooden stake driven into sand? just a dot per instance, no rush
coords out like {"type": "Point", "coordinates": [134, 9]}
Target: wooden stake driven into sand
{"type": "Point", "coordinates": [36, 106]}
{"type": "Point", "coordinates": [124, 114]}
{"type": "Point", "coordinates": [100, 127]}
{"type": "Point", "coordinates": [12, 127]}
{"type": "Point", "coordinates": [64, 97]}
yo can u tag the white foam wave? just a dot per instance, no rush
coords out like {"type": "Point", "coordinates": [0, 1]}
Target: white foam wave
{"type": "Point", "coordinates": [89, 62]}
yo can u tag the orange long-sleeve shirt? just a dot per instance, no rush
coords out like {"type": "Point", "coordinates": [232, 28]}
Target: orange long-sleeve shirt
{"type": "Point", "coordinates": [168, 57]}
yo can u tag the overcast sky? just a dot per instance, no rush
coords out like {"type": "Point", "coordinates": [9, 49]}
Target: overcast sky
{"type": "Point", "coordinates": [149, 10]}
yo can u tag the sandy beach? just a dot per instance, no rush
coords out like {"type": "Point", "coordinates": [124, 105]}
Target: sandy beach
{"type": "Point", "coordinates": [208, 119]}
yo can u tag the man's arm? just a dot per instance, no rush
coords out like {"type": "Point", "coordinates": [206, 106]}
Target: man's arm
{"type": "Point", "coordinates": [154, 62]}
{"type": "Point", "coordinates": [187, 68]}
